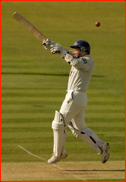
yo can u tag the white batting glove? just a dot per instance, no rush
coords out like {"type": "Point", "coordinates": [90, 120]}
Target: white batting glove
{"type": "Point", "coordinates": [57, 48]}
{"type": "Point", "coordinates": [47, 43]}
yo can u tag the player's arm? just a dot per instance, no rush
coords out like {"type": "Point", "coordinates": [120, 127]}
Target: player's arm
{"type": "Point", "coordinates": [79, 63]}
{"type": "Point", "coordinates": [84, 63]}
{"type": "Point", "coordinates": [54, 47]}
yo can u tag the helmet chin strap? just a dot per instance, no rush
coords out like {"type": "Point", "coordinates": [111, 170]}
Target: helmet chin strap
{"type": "Point", "coordinates": [79, 53]}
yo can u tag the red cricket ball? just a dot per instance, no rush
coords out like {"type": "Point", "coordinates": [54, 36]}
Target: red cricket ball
{"type": "Point", "coordinates": [97, 24]}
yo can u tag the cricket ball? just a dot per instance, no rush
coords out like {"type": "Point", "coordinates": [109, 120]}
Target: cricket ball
{"type": "Point", "coordinates": [97, 24]}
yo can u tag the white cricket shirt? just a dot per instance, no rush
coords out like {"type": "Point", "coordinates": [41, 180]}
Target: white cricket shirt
{"type": "Point", "coordinates": [81, 73]}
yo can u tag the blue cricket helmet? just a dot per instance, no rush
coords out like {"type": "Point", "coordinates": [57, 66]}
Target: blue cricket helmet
{"type": "Point", "coordinates": [83, 45]}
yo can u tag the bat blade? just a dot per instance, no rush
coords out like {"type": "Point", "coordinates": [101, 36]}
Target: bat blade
{"type": "Point", "coordinates": [23, 21]}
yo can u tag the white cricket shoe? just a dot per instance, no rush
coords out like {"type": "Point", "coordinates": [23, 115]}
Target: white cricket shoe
{"type": "Point", "coordinates": [55, 159]}
{"type": "Point", "coordinates": [105, 152]}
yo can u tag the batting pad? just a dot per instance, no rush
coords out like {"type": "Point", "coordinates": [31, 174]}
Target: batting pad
{"type": "Point", "coordinates": [88, 136]}
{"type": "Point", "coordinates": [59, 132]}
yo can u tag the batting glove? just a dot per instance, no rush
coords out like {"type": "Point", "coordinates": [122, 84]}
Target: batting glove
{"type": "Point", "coordinates": [57, 48]}
{"type": "Point", "coordinates": [47, 43]}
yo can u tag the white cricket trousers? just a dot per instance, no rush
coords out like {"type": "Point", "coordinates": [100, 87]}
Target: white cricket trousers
{"type": "Point", "coordinates": [73, 108]}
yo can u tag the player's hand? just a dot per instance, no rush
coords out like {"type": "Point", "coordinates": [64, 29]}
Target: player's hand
{"type": "Point", "coordinates": [56, 48]}
{"type": "Point", "coordinates": [47, 43]}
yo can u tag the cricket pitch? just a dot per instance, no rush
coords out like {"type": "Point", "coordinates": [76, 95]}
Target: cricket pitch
{"type": "Point", "coordinates": [67, 171]}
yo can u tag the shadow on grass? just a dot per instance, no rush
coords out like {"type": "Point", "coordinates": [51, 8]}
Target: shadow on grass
{"type": "Point", "coordinates": [44, 74]}
{"type": "Point", "coordinates": [117, 170]}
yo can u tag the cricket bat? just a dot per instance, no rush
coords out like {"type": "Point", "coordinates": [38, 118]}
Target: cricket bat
{"type": "Point", "coordinates": [23, 21]}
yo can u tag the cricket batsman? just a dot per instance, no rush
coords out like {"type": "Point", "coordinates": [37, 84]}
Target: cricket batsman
{"type": "Point", "coordinates": [72, 111]}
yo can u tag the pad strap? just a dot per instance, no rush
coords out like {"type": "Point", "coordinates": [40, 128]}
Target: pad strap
{"type": "Point", "coordinates": [58, 122]}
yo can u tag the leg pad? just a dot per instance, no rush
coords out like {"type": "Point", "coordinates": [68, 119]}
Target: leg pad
{"type": "Point", "coordinates": [59, 131]}
{"type": "Point", "coordinates": [88, 136]}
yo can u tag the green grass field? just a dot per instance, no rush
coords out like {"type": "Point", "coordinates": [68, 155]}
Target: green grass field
{"type": "Point", "coordinates": [34, 83]}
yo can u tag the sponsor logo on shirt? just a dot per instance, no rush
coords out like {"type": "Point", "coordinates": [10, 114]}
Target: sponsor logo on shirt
{"type": "Point", "coordinates": [84, 60]}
